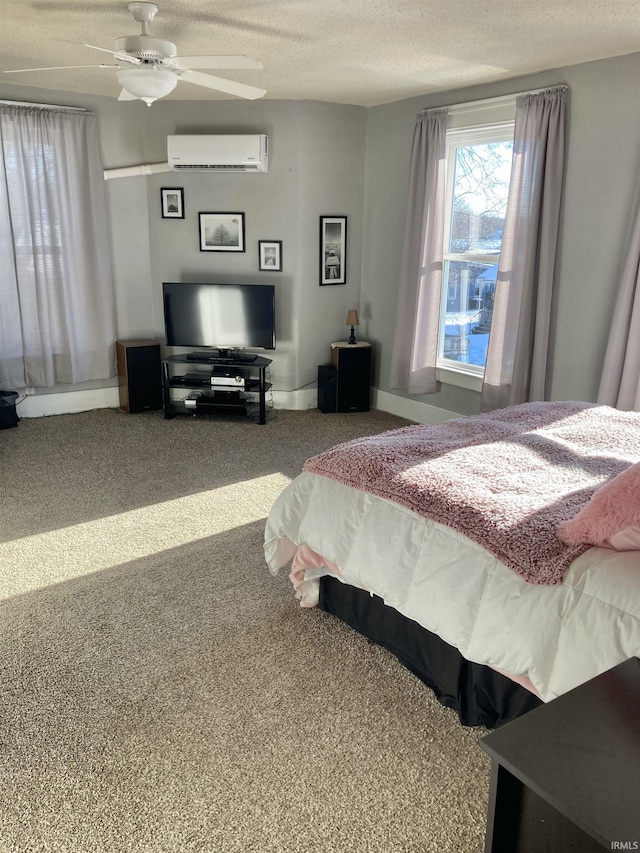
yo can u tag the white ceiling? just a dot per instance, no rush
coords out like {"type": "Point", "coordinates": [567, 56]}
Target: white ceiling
{"type": "Point", "coordinates": [364, 52]}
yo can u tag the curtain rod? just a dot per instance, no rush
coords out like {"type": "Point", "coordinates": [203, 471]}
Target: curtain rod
{"type": "Point", "coordinates": [43, 106]}
{"type": "Point", "coordinates": [488, 102]}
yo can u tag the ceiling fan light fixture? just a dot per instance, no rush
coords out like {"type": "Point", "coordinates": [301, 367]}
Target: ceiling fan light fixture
{"type": "Point", "coordinates": [147, 83]}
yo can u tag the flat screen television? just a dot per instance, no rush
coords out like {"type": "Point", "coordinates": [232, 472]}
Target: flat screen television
{"type": "Point", "coordinates": [226, 318]}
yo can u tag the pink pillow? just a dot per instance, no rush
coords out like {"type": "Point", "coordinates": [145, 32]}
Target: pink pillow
{"type": "Point", "coordinates": [611, 519]}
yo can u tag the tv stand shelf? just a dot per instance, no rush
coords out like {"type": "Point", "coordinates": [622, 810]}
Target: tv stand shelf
{"type": "Point", "coordinates": [218, 385]}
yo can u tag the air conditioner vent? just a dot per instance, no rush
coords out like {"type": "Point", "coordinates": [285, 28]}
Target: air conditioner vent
{"type": "Point", "coordinates": [223, 153]}
{"type": "Point", "coordinates": [210, 167]}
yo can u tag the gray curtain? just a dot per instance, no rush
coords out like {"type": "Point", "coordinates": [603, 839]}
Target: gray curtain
{"type": "Point", "coordinates": [57, 315]}
{"type": "Point", "coordinates": [620, 383]}
{"type": "Point", "coordinates": [415, 345]}
{"type": "Point", "coordinates": [516, 368]}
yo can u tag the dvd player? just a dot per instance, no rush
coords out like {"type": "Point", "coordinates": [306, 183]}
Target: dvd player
{"type": "Point", "coordinates": [199, 379]}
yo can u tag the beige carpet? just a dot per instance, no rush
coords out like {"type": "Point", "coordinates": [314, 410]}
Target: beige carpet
{"type": "Point", "coordinates": [160, 691]}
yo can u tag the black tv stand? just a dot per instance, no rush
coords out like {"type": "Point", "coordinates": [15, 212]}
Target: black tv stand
{"type": "Point", "coordinates": [223, 356]}
{"type": "Point", "coordinates": [219, 386]}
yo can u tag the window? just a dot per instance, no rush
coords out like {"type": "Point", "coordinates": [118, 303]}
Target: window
{"type": "Point", "coordinates": [478, 165]}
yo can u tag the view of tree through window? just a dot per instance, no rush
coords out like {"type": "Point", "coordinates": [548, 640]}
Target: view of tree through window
{"type": "Point", "coordinates": [478, 181]}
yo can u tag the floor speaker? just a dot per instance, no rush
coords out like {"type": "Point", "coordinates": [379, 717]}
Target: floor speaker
{"type": "Point", "coordinates": [139, 375]}
{"type": "Point", "coordinates": [353, 364]}
{"type": "Point", "coordinates": [327, 388]}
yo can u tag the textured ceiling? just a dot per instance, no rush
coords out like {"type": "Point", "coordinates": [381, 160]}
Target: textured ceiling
{"type": "Point", "coordinates": [363, 52]}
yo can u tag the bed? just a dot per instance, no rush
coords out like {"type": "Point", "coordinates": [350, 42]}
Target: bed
{"type": "Point", "coordinates": [497, 556]}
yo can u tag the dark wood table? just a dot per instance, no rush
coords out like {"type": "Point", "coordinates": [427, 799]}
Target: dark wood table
{"type": "Point", "coordinates": [566, 776]}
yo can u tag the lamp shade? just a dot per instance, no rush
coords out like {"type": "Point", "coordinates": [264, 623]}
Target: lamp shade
{"type": "Point", "coordinates": [352, 318]}
{"type": "Point", "coordinates": [148, 82]}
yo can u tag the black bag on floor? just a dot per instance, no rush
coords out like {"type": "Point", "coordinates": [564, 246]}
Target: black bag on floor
{"type": "Point", "coordinates": [8, 415]}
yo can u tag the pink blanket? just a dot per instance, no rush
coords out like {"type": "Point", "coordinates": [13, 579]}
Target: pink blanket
{"type": "Point", "coordinates": [505, 479]}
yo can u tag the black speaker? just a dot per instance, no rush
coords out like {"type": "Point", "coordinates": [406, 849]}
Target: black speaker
{"type": "Point", "coordinates": [139, 375]}
{"type": "Point", "coordinates": [353, 364]}
{"type": "Point", "coordinates": [327, 388]}
{"type": "Point", "coordinates": [8, 414]}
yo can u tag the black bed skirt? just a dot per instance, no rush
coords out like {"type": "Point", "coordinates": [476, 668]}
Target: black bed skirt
{"type": "Point", "coordinates": [479, 695]}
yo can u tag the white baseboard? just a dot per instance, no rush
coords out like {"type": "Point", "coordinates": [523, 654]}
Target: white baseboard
{"type": "Point", "coordinates": [403, 407]}
{"type": "Point", "coordinates": [69, 402]}
{"type": "Point", "coordinates": [412, 410]}
{"type": "Point", "coordinates": [305, 398]}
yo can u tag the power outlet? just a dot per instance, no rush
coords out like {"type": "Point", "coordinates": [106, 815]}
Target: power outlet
{"type": "Point", "coordinates": [28, 392]}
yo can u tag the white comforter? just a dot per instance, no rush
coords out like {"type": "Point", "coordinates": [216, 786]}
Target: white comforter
{"type": "Point", "coordinates": [556, 636]}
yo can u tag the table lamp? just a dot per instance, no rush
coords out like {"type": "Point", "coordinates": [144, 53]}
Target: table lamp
{"type": "Point", "coordinates": [352, 320]}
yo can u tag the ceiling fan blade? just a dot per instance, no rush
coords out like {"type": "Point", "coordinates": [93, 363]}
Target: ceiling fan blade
{"type": "Point", "coordinates": [232, 61]}
{"type": "Point", "coordinates": [127, 96]}
{"type": "Point", "coordinates": [117, 54]}
{"type": "Point", "coordinates": [57, 68]}
{"type": "Point", "coordinates": [241, 90]}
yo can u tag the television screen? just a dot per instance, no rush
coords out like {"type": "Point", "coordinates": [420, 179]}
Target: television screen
{"type": "Point", "coordinates": [222, 316]}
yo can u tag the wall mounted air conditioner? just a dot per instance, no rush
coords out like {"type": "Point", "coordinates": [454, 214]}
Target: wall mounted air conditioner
{"type": "Point", "coordinates": [221, 153]}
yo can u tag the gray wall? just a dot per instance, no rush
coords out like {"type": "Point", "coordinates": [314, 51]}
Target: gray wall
{"type": "Point", "coordinates": [602, 173]}
{"type": "Point", "coordinates": [337, 159]}
{"type": "Point", "coordinates": [316, 167]}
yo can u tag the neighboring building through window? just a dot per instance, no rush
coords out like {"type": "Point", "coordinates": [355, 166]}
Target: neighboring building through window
{"type": "Point", "coordinates": [478, 163]}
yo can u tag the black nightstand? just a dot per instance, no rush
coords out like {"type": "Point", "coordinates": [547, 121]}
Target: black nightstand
{"type": "Point", "coordinates": [566, 776]}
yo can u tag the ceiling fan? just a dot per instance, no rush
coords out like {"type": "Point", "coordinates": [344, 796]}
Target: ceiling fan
{"type": "Point", "coordinates": [156, 67]}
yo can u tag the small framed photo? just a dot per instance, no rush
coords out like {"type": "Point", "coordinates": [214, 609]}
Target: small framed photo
{"type": "Point", "coordinates": [221, 232]}
{"type": "Point", "coordinates": [333, 250]}
{"type": "Point", "coordinates": [270, 255]}
{"type": "Point", "coordinates": [172, 202]}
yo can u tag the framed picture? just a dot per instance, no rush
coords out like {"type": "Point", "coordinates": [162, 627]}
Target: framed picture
{"type": "Point", "coordinates": [221, 232]}
{"type": "Point", "coordinates": [333, 250]}
{"type": "Point", "coordinates": [270, 255]}
{"type": "Point", "coordinates": [172, 202]}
